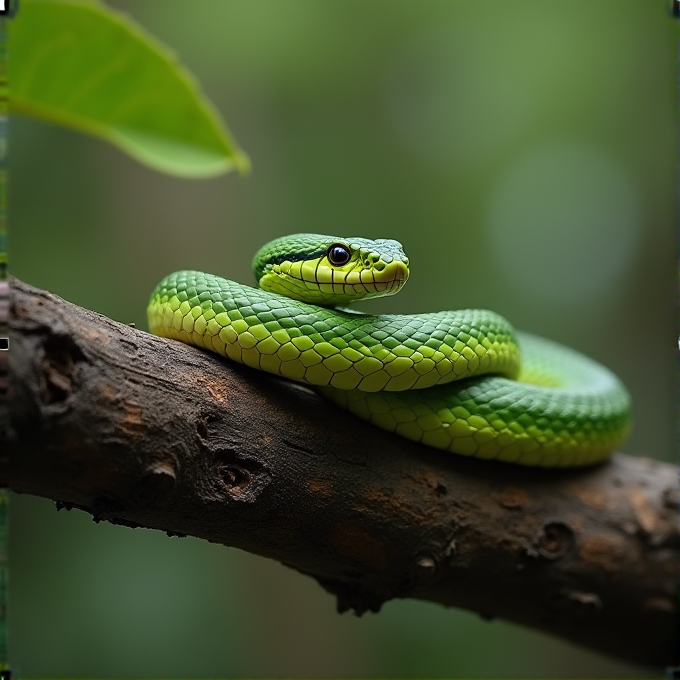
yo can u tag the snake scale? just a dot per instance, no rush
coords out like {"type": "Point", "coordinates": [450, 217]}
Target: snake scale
{"type": "Point", "coordinates": [463, 381]}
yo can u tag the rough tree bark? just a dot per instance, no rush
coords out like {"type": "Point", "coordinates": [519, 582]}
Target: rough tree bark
{"type": "Point", "coordinates": [143, 431]}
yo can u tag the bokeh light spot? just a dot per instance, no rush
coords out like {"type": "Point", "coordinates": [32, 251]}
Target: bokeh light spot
{"type": "Point", "coordinates": [564, 222]}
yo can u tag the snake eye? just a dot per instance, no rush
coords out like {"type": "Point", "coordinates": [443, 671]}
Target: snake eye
{"type": "Point", "coordinates": [339, 254]}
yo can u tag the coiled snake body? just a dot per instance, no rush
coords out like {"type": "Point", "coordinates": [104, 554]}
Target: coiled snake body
{"type": "Point", "coordinates": [463, 381]}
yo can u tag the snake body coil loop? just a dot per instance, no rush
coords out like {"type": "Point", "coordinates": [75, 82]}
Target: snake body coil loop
{"type": "Point", "coordinates": [463, 381]}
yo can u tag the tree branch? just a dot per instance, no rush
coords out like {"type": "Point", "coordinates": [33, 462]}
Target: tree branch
{"type": "Point", "coordinates": [144, 431]}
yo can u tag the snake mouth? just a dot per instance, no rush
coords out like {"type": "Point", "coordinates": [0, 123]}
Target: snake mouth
{"type": "Point", "coordinates": [395, 274]}
{"type": "Point", "coordinates": [391, 280]}
{"type": "Point", "coordinates": [401, 274]}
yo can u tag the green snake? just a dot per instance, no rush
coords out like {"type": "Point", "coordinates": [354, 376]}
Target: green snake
{"type": "Point", "coordinates": [462, 381]}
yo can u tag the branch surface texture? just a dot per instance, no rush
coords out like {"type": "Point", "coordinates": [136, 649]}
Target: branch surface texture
{"type": "Point", "coordinates": [143, 431]}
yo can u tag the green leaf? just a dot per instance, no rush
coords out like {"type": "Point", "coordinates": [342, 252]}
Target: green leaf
{"type": "Point", "coordinates": [82, 65]}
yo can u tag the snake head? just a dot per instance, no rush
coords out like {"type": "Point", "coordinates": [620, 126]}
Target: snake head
{"type": "Point", "coordinates": [329, 270]}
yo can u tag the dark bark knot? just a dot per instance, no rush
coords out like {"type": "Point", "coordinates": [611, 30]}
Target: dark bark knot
{"type": "Point", "coordinates": [235, 478]}
{"type": "Point", "coordinates": [242, 478]}
{"type": "Point", "coordinates": [60, 356]}
{"type": "Point", "coordinates": [555, 540]}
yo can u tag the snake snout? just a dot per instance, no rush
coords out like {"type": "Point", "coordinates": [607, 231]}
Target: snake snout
{"type": "Point", "coordinates": [395, 272]}
{"type": "Point", "coordinates": [401, 273]}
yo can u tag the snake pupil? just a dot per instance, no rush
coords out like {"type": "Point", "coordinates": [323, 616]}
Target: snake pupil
{"type": "Point", "coordinates": [339, 254]}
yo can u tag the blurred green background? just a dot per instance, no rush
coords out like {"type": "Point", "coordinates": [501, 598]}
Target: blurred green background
{"type": "Point", "coordinates": [524, 154]}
